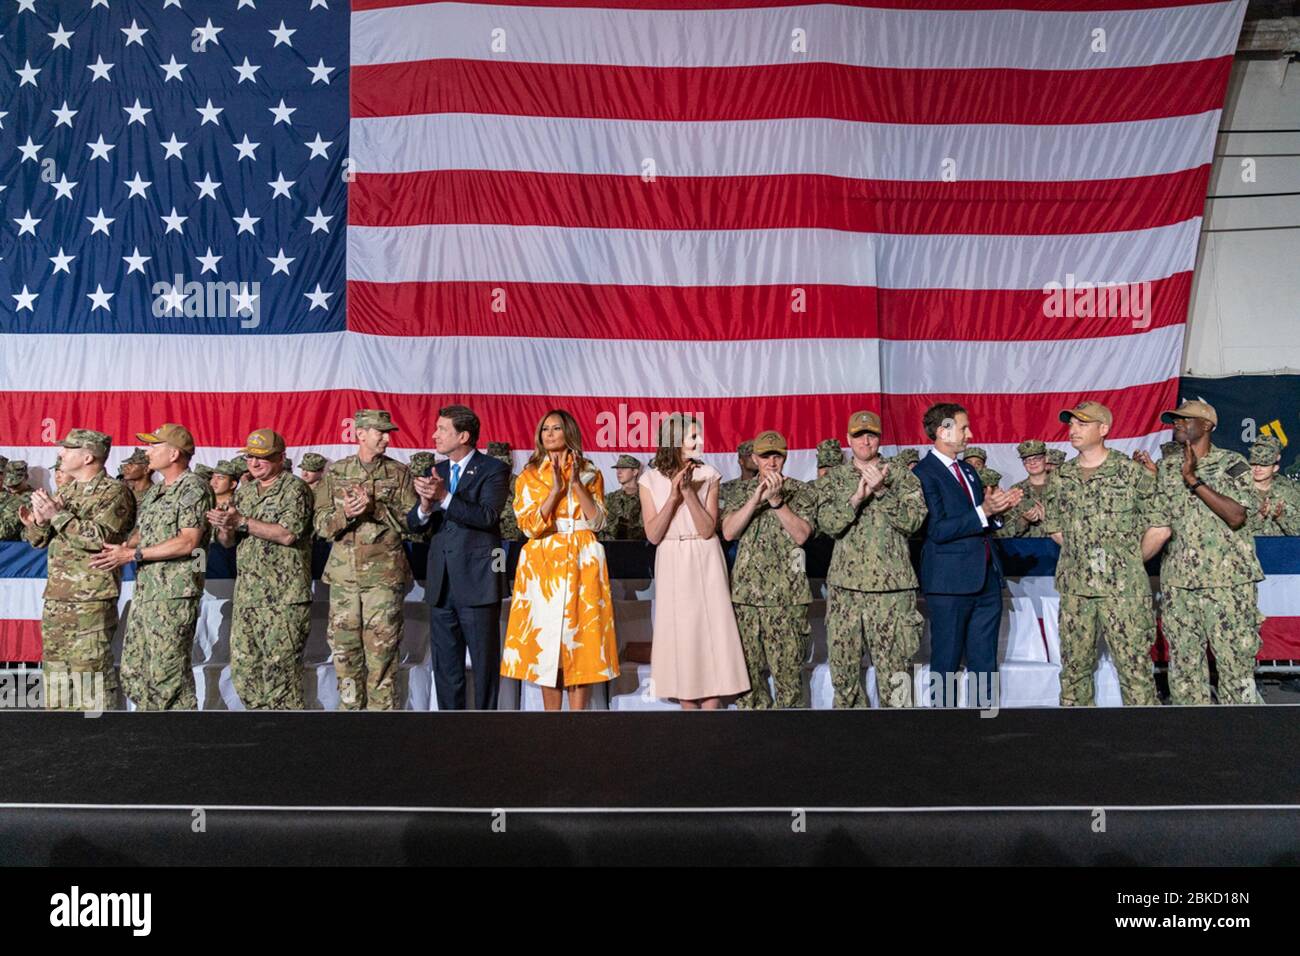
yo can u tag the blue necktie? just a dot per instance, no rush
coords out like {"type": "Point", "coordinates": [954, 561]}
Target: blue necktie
{"type": "Point", "coordinates": [455, 476]}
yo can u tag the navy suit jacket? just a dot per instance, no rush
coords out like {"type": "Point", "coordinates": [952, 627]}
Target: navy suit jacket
{"type": "Point", "coordinates": [953, 549]}
{"type": "Point", "coordinates": [467, 536]}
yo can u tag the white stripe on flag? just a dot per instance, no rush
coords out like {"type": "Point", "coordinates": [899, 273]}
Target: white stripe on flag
{"type": "Point", "coordinates": [859, 36]}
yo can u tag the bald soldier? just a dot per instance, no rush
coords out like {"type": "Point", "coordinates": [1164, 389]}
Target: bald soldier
{"type": "Point", "coordinates": [167, 547]}
{"type": "Point", "coordinates": [1026, 519]}
{"type": "Point", "coordinates": [312, 468]}
{"type": "Point", "coordinates": [830, 453]}
{"type": "Point", "coordinates": [18, 495]}
{"type": "Point", "coordinates": [1210, 572]}
{"type": "Point", "coordinates": [870, 508]}
{"type": "Point", "coordinates": [361, 507]}
{"type": "Point", "coordinates": [509, 524]}
{"type": "Point", "coordinates": [1279, 498]}
{"type": "Point", "coordinates": [623, 505]}
{"type": "Point", "coordinates": [1099, 507]}
{"type": "Point", "coordinates": [270, 524]}
{"type": "Point", "coordinates": [771, 516]}
{"type": "Point", "coordinates": [79, 612]}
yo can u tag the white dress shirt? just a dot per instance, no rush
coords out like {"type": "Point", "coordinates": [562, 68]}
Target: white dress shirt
{"type": "Point", "coordinates": [948, 463]}
{"type": "Point", "coordinates": [446, 499]}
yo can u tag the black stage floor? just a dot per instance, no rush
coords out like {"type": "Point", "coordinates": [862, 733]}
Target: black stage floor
{"type": "Point", "coordinates": [1124, 786]}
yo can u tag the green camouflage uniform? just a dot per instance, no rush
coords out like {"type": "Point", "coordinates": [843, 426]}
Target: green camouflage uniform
{"type": "Point", "coordinates": [156, 653]}
{"type": "Point", "coordinates": [872, 586]}
{"type": "Point", "coordinates": [271, 611]}
{"type": "Point", "coordinates": [1016, 526]}
{"type": "Point", "coordinates": [770, 594]}
{"type": "Point", "coordinates": [1208, 577]}
{"type": "Point", "coordinates": [509, 524]}
{"type": "Point", "coordinates": [13, 498]}
{"type": "Point", "coordinates": [830, 453]}
{"type": "Point", "coordinates": [1104, 588]}
{"type": "Point", "coordinates": [622, 517]}
{"type": "Point", "coordinates": [368, 574]}
{"type": "Point", "coordinates": [79, 616]}
{"type": "Point", "coordinates": [1281, 503]}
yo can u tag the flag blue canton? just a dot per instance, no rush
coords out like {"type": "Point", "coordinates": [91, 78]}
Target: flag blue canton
{"type": "Point", "coordinates": [149, 142]}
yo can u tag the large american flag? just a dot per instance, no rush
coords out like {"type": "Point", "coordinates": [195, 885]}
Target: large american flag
{"type": "Point", "coordinates": [774, 214]}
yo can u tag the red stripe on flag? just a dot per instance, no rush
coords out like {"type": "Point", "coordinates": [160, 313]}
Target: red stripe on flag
{"type": "Point", "coordinates": [1280, 639]}
{"type": "Point", "coordinates": [776, 202]}
{"type": "Point", "coordinates": [682, 94]}
{"type": "Point", "coordinates": [20, 640]}
{"type": "Point", "coordinates": [317, 418]}
{"type": "Point", "coordinates": [734, 313]}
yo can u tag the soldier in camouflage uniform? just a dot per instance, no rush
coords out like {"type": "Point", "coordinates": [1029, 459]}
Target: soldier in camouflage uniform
{"type": "Point", "coordinates": [224, 479]}
{"type": "Point", "coordinates": [241, 462]}
{"type": "Point", "coordinates": [830, 453]}
{"type": "Point", "coordinates": [167, 548]}
{"type": "Point", "coordinates": [205, 473]}
{"type": "Point", "coordinates": [312, 468]}
{"type": "Point", "coordinates": [1279, 498]}
{"type": "Point", "coordinates": [869, 508]}
{"type": "Point", "coordinates": [1210, 570]}
{"type": "Point", "coordinates": [623, 505]}
{"type": "Point", "coordinates": [744, 458]}
{"type": "Point", "coordinates": [18, 495]}
{"type": "Point", "coordinates": [79, 616]}
{"type": "Point", "coordinates": [1026, 519]}
{"type": "Point", "coordinates": [1055, 459]}
{"type": "Point", "coordinates": [361, 507]}
{"type": "Point", "coordinates": [1098, 509]}
{"type": "Point", "coordinates": [61, 477]}
{"type": "Point", "coordinates": [1171, 449]}
{"type": "Point", "coordinates": [977, 457]}
{"type": "Point", "coordinates": [137, 476]}
{"type": "Point", "coordinates": [509, 525]}
{"type": "Point", "coordinates": [421, 464]}
{"type": "Point", "coordinates": [771, 517]}
{"type": "Point", "coordinates": [271, 524]}
{"type": "Point", "coordinates": [906, 458]}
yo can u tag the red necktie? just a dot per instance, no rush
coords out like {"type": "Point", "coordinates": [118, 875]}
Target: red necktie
{"type": "Point", "coordinates": [961, 479]}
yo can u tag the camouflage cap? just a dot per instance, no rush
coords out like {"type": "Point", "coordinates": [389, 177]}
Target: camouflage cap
{"type": "Point", "coordinates": [240, 462]}
{"type": "Point", "coordinates": [313, 462]}
{"type": "Point", "coordinates": [57, 466]}
{"type": "Point", "coordinates": [745, 448]}
{"type": "Point", "coordinates": [1170, 448]}
{"type": "Point", "coordinates": [138, 457]}
{"type": "Point", "coordinates": [499, 450]}
{"type": "Point", "coordinates": [907, 456]}
{"type": "Point", "coordinates": [1194, 408]}
{"type": "Point", "coordinates": [1087, 412]}
{"type": "Point", "coordinates": [264, 443]}
{"type": "Point", "coordinates": [374, 418]}
{"type": "Point", "coordinates": [178, 436]}
{"type": "Point", "coordinates": [974, 451]}
{"type": "Point", "coordinates": [228, 469]}
{"type": "Point", "coordinates": [860, 422]}
{"type": "Point", "coordinates": [97, 443]}
{"type": "Point", "coordinates": [770, 441]}
{"type": "Point", "coordinates": [422, 461]}
{"type": "Point", "coordinates": [203, 471]}
{"type": "Point", "coordinates": [829, 453]}
{"type": "Point", "coordinates": [1030, 447]}
{"type": "Point", "coordinates": [1266, 451]}
{"type": "Point", "coordinates": [1055, 456]}
{"type": "Point", "coordinates": [627, 461]}
{"type": "Point", "coordinates": [15, 473]}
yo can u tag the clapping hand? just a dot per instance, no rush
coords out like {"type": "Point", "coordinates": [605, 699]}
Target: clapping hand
{"type": "Point", "coordinates": [996, 501]}
{"type": "Point", "coordinates": [356, 501]}
{"type": "Point", "coordinates": [430, 489]}
{"type": "Point", "coordinates": [1143, 459]}
{"type": "Point", "coordinates": [1035, 514]}
{"type": "Point", "coordinates": [1189, 464]}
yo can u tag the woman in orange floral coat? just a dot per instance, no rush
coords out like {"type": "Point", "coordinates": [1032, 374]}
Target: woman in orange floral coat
{"type": "Point", "coordinates": [561, 629]}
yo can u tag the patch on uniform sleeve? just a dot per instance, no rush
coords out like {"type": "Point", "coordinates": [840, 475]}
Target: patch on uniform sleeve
{"type": "Point", "coordinates": [192, 494]}
{"type": "Point", "coordinates": [1238, 469]}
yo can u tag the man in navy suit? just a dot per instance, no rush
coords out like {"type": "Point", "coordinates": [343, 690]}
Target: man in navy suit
{"type": "Point", "coordinates": [461, 499]}
{"type": "Point", "coordinates": [961, 576]}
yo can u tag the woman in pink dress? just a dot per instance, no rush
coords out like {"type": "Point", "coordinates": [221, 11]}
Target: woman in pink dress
{"type": "Point", "coordinates": [696, 657]}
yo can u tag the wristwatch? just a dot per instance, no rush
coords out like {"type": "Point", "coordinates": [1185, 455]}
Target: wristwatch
{"type": "Point", "coordinates": [242, 527]}
{"type": "Point", "coordinates": [1194, 485]}
{"type": "Point", "coordinates": [139, 556]}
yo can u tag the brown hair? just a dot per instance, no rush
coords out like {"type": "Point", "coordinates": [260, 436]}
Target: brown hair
{"type": "Point", "coordinates": [572, 440]}
{"type": "Point", "coordinates": [673, 429]}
